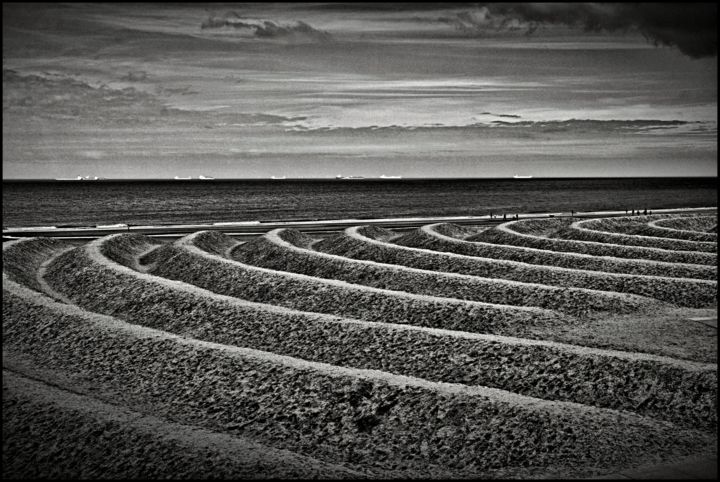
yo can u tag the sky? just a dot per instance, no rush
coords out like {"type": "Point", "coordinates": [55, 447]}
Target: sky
{"type": "Point", "coordinates": [315, 90]}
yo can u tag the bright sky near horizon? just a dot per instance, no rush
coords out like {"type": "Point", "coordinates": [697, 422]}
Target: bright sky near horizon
{"type": "Point", "coordinates": [319, 89]}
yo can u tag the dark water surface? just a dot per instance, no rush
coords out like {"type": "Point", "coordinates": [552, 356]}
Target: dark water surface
{"type": "Point", "coordinates": [88, 203]}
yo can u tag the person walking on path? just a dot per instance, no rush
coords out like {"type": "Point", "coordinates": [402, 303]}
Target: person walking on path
{"type": "Point", "coordinates": [504, 217]}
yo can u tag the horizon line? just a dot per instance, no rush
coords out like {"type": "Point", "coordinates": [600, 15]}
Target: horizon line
{"type": "Point", "coordinates": [72, 180]}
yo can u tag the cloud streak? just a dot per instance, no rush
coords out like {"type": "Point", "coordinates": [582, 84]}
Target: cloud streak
{"type": "Point", "coordinates": [265, 29]}
{"type": "Point", "coordinates": [569, 126]}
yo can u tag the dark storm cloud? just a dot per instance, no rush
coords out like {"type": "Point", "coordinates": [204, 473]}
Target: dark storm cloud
{"type": "Point", "coordinates": [691, 27]}
{"type": "Point", "coordinates": [264, 28]}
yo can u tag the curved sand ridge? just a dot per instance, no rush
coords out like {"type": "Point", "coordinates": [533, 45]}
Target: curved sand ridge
{"type": "Point", "coordinates": [402, 400]}
{"type": "Point", "coordinates": [588, 438]}
{"type": "Point", "coordinates": [401, 348]}
{"type": "Point", "coordinates": [672, 290]}
{"type": "Point", "coordinates": [187, 243]}
{"type": "Point", "coordinates": [379, 341]}
{"type": "Point", "coordinates": [659, 330]}
{"type": "Point", "coordinates": [432, 237]}
{"type": "Point", "coordinates": [426, 310]}
{"type": "Point", "coordinates": [645, 226]}
{"type": "Point", "coordinates": [273, 251]}
{"type": "Point", "coordinates": [701, 225]}
{"type": "Point", "coordinates": [640, 240]}
{"type": "Point", "coordinates": [587, 246]}
{"type": "Point", "coordinates": [35, 253]}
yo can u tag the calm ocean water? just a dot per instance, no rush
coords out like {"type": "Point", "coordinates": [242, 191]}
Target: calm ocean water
{"type": "Point", "coordinates": [33, 203]}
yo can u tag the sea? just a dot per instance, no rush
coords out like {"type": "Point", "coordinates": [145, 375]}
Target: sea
{"type": "Point", "coordinates": [161, 202]}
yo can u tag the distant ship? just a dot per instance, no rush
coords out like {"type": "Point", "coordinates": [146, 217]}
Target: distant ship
{"type": "Point", "coordinates": [390, 177]}
{"type": "Point", "coordinates": [517, 176]}
{"type": "Point", "coordinates": [178, 178]}
{"type": "Point", "coordinates": [344, 178]}
{"type": "Point", "coordinates": [278, 177]}
{"type": "Point", "coordinates": [78, 178]}
{"type": "Point", "coordinates": [205, 178]}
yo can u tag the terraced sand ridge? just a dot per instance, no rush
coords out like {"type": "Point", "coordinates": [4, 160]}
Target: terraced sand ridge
{"type": "Point", "coordinates": [433, 354]}
{"type": "Point", "coordinates": [358, 242]}
{"type": "Point", "coordinates": [28, 256]}
{"type": "Point", "coordinates": [455, 353]}
{"type": "Point", "coordinates": [272, 251]}
{"type": "Point", "coordinates": [206, 357]}
{"type": "Point", "coordinates": [649, 327]}
{"type": "Point", "coordinates": [645, 226]}
{"type": "Point", "coordinates": [302, 292]}
{"type": "Point", "coordinates": [548, 234]}
{"type": "Point", "coordinates": [705, 226]}
{"type": "Point", "coordinates": [439, 237]}
{"type": "Point", "coordinates": [382, 423]}
{"type": "Point", "coordinates": [601, 230]}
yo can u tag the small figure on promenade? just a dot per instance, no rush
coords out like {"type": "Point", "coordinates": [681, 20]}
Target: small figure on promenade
{"type": "Point", "coordinates": [626, 211]}
{"type": "Point", "coordinates": [633, 212]}
{"type": "Point", "coordinates": [572, 213]}
{"type": "Point", "coordinates": [504, 217]}
{"type": "Point", "coordinates": [645, 212]}
{"type": "Point", "coordinates": [649, 212]}
{"type": "Point", "coordinates": [516, 216]}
